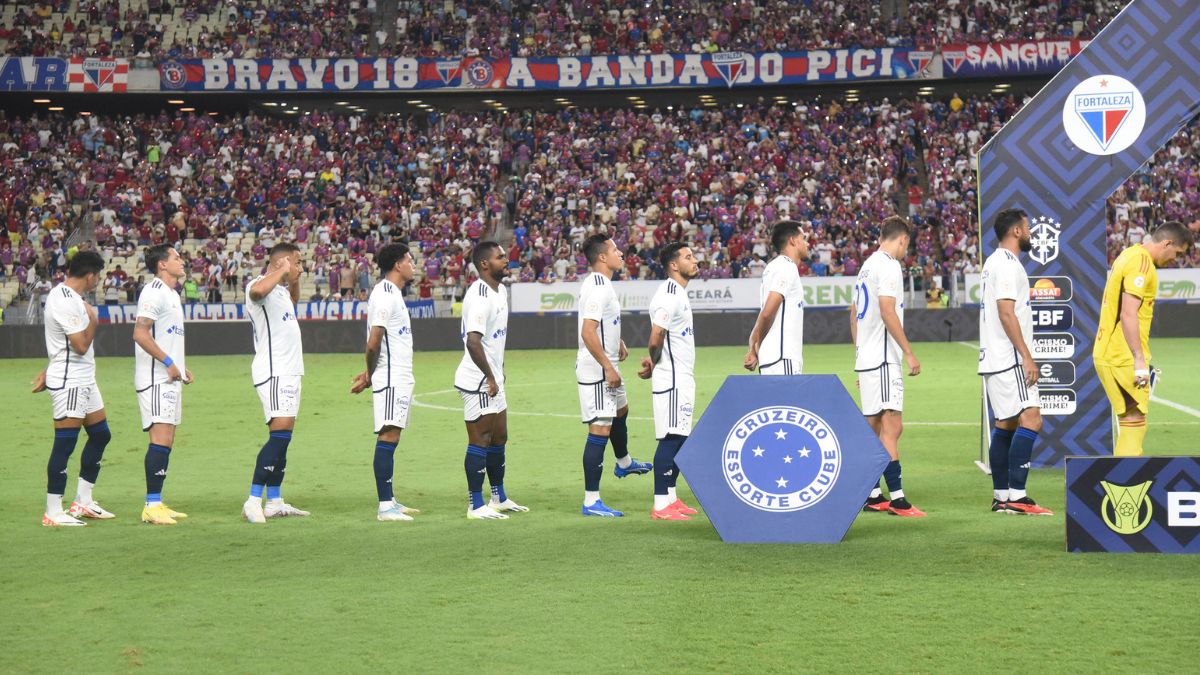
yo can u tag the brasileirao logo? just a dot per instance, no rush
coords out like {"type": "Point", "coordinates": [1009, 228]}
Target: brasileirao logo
{"type": "Point", "coordinates": [1126, 509]}
{"type": "Point", "coordinates": [781, 458]}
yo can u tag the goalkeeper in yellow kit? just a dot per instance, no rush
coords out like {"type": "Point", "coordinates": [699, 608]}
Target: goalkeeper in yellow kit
{"type": "Point", "coordinates": [1122, 349]}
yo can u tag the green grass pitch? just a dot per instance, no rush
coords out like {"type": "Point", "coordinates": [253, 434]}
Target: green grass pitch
{"type": "Point", "coordinates": [550, 591]}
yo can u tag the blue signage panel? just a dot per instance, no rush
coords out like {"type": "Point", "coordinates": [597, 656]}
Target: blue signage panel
{"type": "Point", "coordinates": [1133, 504]}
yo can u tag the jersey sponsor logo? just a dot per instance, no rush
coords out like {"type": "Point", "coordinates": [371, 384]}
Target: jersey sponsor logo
{"type": "Point", "coordinates": [1053, 346]}
{"type": "Point", "coordinates": [175, 330]}
{"type": "Point", "coordinates": [781, 459]}
{"type": "Point", "coordinates": [1050, 289]}
{"type": "Point", "coordinates": [1126, 509]}
{"type": "Point", "coordinates": [288, 316]}
{"type": "Point", "coordinates": [1043, 234]}
{"type": "Point", "coordinates": [1056, 374]}
{"type": "Point", "coordinates": [1052, 317]}
{"type": "Point", "coordinates": [1057, 402]}
{"type": "Point", "coordinates": [689, 331]}
{"type": "Point", "coordinates": [1104, 115]}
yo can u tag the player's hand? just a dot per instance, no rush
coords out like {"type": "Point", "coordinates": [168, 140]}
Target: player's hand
{"type": "Point", "coordinates": [751, 361]}
{"type": "Point", "coordinates": [1141, 373]}
{"type": "Point", "coordinates": [92, 315]}
{"type": "Point", "coordinates": [493, 388]}
{"type": "Point", "coordinates": [174, 373]}
{"type": "Point", "coordinates": [189, 379]}
{"type": "Point", "coordinates": [622, 352]}
{"type": "Point", "coordinates": [39, 382]}
{"type": "Point", "coordinates": [1031, 372]}
{"type": "Point", "coordinates": [360, 382]}
{"type": "Point", "coordinates": [914, 366]}
{"type": "Point", "coordinates": [647, 368]}
{"type": "Point", "coordinates": [284, 265]}
{"type": "Point", "coordinates": [612, 378]}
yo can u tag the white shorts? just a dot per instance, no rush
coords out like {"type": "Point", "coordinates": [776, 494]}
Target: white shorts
{"type": "Point", "coordinates": [673, 410]}
{"type": "Point", "coordinates": [881, 389]}
{"type": "Point", "coordinates": [391, 406]}
{"type": "Point", "coordinates": [1008, 394]}
{"type": "Point", "coordinates": [76, 402]}
{"type": "Point", "coordinates": [161, 404]}
{"type": "Point", "coordinates": [782, 367]}
{"type": "Point", "coordinates": [599, 403]}
{"type": "Point", "coordinates": [476, 404]}
{"type": "Point", "coordinates": [280, 396]}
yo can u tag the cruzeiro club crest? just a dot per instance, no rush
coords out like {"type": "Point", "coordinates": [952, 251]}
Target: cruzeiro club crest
{"type": "Point", "coordinates": [781, 459]}
{"type": "Point", "coordinates": [1126, 509]}
{"type": "Point", "coordinates": [1104, 115]}
{"type": "Point", "coordinates": [730, 65]}
{"type": "Point", "coordinates": [1043, 234]}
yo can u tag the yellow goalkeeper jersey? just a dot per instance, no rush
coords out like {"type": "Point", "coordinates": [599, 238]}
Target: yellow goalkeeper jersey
{"type": "Point", "coordinates": [1133, 272]}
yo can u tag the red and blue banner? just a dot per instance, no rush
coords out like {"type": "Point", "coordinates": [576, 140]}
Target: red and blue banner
{"type": "Point", "coordinates": [1017, 57]}
{"type": "Point", "coordinates": [77, 74]}
{"type": "Point", "coordinates": [729, 69]}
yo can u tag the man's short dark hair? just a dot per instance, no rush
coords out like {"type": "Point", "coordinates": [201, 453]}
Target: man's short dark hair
{"type": "Point", "coordinates": [892, 227]}
{"type": "Point", "coordinates": [1007, 220]}
{"type": "Point", "coordinates": [783, 230]}
{"type": "Point", "coordinates": [391, 254]}
{"type": "Point", "coordinates": [155, 255]}
{"type": "Point", "coordinates": [594, 246]}
{"type": "Point", "coordinates": [284, 248]}
{"type": "Point", "coordinates": [483, 250]}
{"type": "Point", "coordinates": [670, 252]}
{"type": "Point", "coordinates": [1176, 231]}
{"type": "Point", "coordinates": [84, 263]}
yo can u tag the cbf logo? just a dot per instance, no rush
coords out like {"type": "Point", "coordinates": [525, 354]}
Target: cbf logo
{"type": "Point", "coordinates": [1126, 509]}
{"type": "Point", "coordinates": [730, 65]}
{"type": "Point", "coordinates": [1104, 115]}
{"type": "Point", "coordinates": [173, 75]}
{"type": "Point", "coordinates": [781, 459]}
{"type": "Point", "coordinates": [479, 73]}
{"type": "Point", "coordinates": [1043, 235]}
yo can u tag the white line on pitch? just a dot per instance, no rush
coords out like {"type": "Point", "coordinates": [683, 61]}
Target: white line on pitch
{"type": "Point", "coordinates": [1178, 406]}
{"type": "Point", "coordinates": [968, 345]}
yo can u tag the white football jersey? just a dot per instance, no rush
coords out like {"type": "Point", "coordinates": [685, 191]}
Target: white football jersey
{"type": "Point", "coordinates": [277, 346]}
{"type": "Point", "coordinates": [670, 309]}
{"type": "Point", "coordinates": [387, 309]}
{"type": "Point", "coordinates": [66, 314]}
{"type": "Point", "coordinates": [1004, 278]}
{"type": "Point", "coordinates": [785, 339]}
{"type": "Point", "coordinates": [880, 276]}
{"type": "Point", "coordinates": [598, 302]}
{"type": "Point", "coordinates": [159, 303]}
{"type": "Point", "coordinates": [484, 311]}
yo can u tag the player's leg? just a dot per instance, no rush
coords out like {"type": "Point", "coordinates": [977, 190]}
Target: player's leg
{"type": "Point", "coordinates": [496, 461]}
{"type": "Point", "coordinates": [384, 466]}
{"type": "Point", "coordinates": [683, 403]}
{"type": "Point", "coordinates": [998, 453]}
{"type": "Point", "coordinates": [478, 419]}
{"type": "Point", "coordinates": [68, 419]}
{"type": "Point", "coordinates": [1019, 403]}
{"type": "Point", "coordinates": [1131, 421]}
{"type": "Point", "coordinates": [665, 470]}
{"type": "Point", "coordinates": [160, 407]}
{"type": "Point", "coordinates": [619, 437]}
{"type": "Point", "coordinates": [1019, 457]}
{"type": "Point", "coordinates": [871, 395]}
{"type": "Point", "coordinates": [96, 425]}
{"type": "Point", "coordinates": [598, 408]}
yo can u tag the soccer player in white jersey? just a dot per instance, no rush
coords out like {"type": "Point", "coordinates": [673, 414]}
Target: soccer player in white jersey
{"type": "Point", "coordinates": [389, 372]}
{"type": "Point", "coordinates": [877, 329]}
{"type": "Point", "coordinates": [602, 401]}
{"type": "Point", "coordinates": [159, 373]}
{"type": "Point", "coordinates": [70, 377]}
{"type": "Point", "coordinates": [777, 340]}
{"type": "Point", "coordinates": [276, 372]}
{"type": "Point", "coordinates": [671, 371]}
{"type": "Point", "coordinates": [480, 381]}
{"type": "Point", "coordinates": [1006, 363]}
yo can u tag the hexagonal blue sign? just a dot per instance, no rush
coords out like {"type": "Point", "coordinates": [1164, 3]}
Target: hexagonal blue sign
{"type": "Point", "coordinates": [782, 459]}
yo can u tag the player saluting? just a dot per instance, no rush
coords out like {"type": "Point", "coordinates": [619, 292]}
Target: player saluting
{"type": "Point", "coordinates": [276, 372]}
{"type": "Point", "coordinates": [602, 402]}
{"type": "Point", "coordinates": [480, 381]}
{"type": "Point", "coordinates": [1009, 373]}
{"type": "Point", "coordinates": [777, 340]}
{"type": "Point", "coordinates": [877, 328]}
{"type": "Point", "coordinates": [671, 371]}
{"type": "Point", "coordinates": [70, 378]}
{"type": "Point", "coordinates": [389, 371]}
{"type": "Point", "coordinates": [1122, 348]}
{"type": "Point", "coordinates": [159, 373]}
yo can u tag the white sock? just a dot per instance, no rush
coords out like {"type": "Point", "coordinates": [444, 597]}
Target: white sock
{"type": "Point", "coordinates": [624, 462]}
{"type": "Point", "coordinates": [876, 492]}
{"type": "Point", "coordinates": [590, 498]}
{"type": "Point", "coordinates": [53, 504]}
{"type": "Point", "coordinates": [1014, 494]}
{"type": "Point", "coordinates": [153, 504]}
{"type": "Point", "coordinates": [671, 494]}
{"type": "Point", "coordinates": [384, 506]}
{"type": "Point", "coordinates": [84, 493]}
{"type": "Point", "coordinates": [278, 501]}
{"type": "Point", "coordinates": [1000, 495]}
{"type": "Point", "coordinates": [896, 494]}
{"type": "Point", "coordinates": [253, 500]}
{"type": "Point", "coordinates": [662, 501]}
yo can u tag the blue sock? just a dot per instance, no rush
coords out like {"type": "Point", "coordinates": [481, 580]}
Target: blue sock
{"type": "Point", "coordinates": [274, 492]}
{"type": "Point", "coordinates": [256, 490]}
{"type": "Point", "coordinates": [385, 463]}
{"type": "Point", "coordinates": [495, 471]}
{"type": "Point", "coordinates": [998, 457]}
{"type": "Point", "coordinates": [891, 476]}
{"type": "Point", "coordinates": [666, 472]}
{"type": "Point", "coordinates": [1018, 457]}
{"type": "Point", "coordinates": [475, 465]}
{"type": "Point", "coordinates": [619, 435]}
{"type": "Point", "coordinates": [98, 438]}
{"type": "Point", "coordinates": [157, 459]}
{"type": "Point", "coordinates": [60, 452]}
{"type": "Point", "coordinates": [278, 444]}
{"type": "Point", "coordinates": [676, 446]}
{"type": "Point", "coordinates": [593, 462]}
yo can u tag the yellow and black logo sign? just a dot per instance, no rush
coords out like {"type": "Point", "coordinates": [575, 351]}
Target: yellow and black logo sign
{"type": "Point", "coordinates": [1126, 509]}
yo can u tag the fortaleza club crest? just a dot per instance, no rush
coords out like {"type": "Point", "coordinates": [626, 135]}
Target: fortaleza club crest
{"type": "Point", "coordinates": [1043, 235]}
{"type": "Point", "coordinates": [781, 459]}
{"type": "Point", "coordinates": [1126, 509]}
{"type": "Point", "coordinates": [730, 65]}
{"type": "Point", "coordinates": [449, 70]}
{"type": "Point", "coordinates": [1104, 115]}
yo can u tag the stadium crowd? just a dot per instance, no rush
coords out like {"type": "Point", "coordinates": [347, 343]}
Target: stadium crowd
{"type": "Point", "coordinates": [162, 29]}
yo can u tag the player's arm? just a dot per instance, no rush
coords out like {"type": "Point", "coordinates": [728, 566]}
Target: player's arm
{"type": "Point", "coordinates": [1130, 304]}
{"type": "Point", "coordinates": [853, 324]}
{"type": "Point", "coordinates": [891, 321]}
{"type": "Point", "coordinates": [143, 339]}
{"type": "Point", "coordinates": [1007, 310]}
{"type": "Point", "coordinates": [374, 342]}
{"type": "Point", "coordinates": [590, 334]}
{"type": "Point", "coordinates": [658, 337]}
{"type": "Point", "coordinates": [275, 276]}
{"type": "Point", "coordinates": [479, 358]}
{"type": "Point", "coordinates": [81, 341]}
{"type": "Point", "coordinates": [766, 316]}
